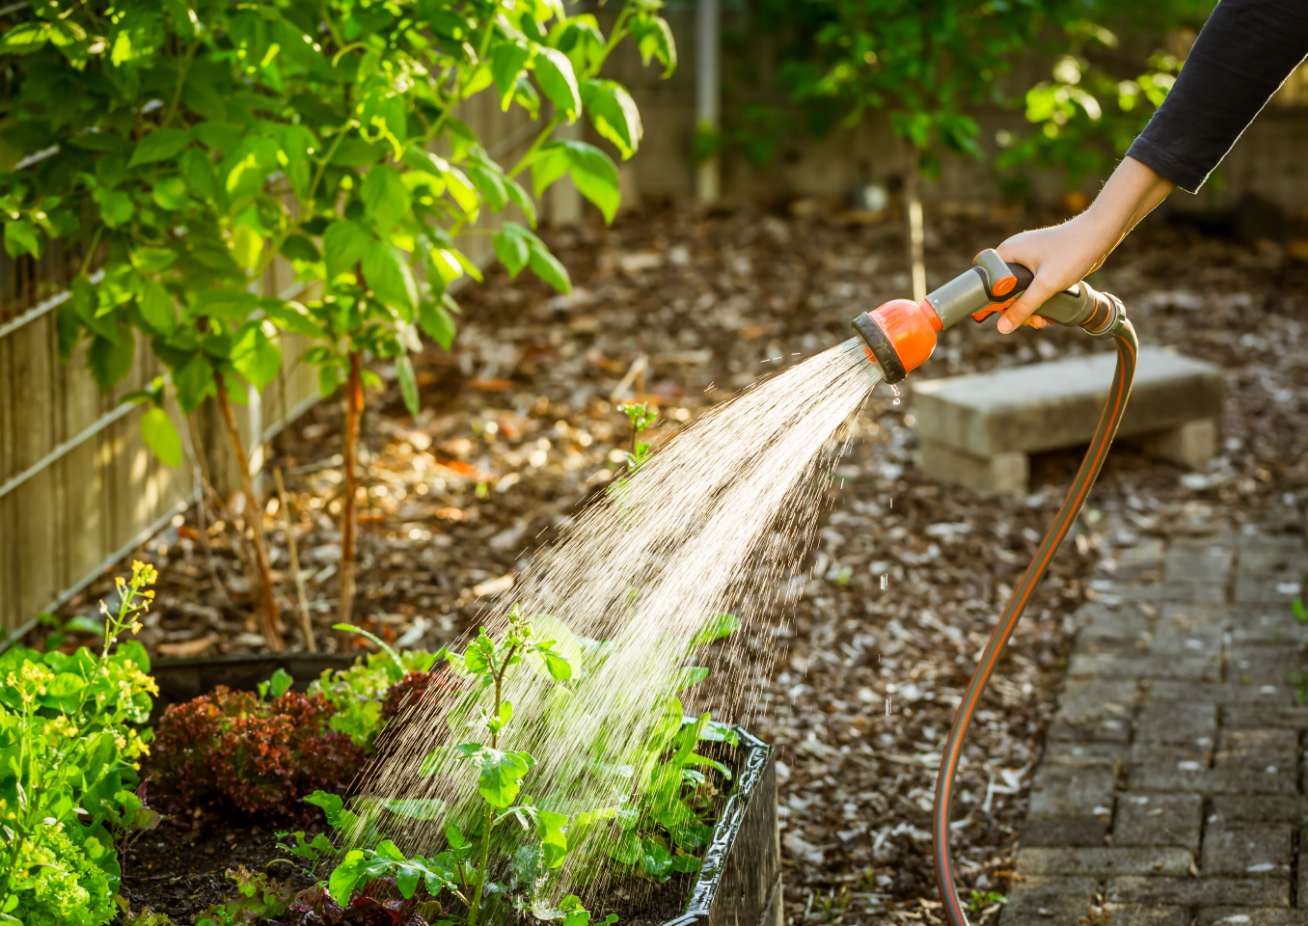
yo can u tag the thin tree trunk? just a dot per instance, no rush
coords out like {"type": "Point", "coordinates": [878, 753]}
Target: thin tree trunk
{"type": "Point", "coordinates": [293, 548]}
{"type": "Point", "coordinates": [916, 231]}
{"type": "Point", "coordinates": [270, 617]}
{"type": "Point", "coordinates": [349, 512]}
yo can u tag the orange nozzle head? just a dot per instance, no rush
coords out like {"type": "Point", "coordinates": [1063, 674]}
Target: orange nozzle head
{"type": "Point", "coordinates": [900, 335]}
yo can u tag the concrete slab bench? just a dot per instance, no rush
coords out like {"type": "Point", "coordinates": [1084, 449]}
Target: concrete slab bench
{"type": "Point", "coordinates": [979, 430]}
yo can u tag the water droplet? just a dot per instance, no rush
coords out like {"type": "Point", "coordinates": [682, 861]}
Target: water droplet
{"type": "Point", "coordinates": [885, 581]}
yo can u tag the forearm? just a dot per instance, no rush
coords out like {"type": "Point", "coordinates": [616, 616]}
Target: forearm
{"type": "Point", "coordinates": [1132, 192]}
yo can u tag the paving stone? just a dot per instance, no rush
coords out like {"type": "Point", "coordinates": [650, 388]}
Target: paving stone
{"type": "Point", "coordinates": [1141, 560]}
{"type": "Point", "coordinates": [1249, 916]}
{"type": "Point", "coordinates": [1177, 724]}
{"type": "Point", "coordinates": [1135, 915]}
{"type": "Point", "coordinates": [1168, 590]}
{"type": "Point", "coordinates": [1255, 808]}
{"type": "Point", "coordinates": [1250, 691]}
{"type": "Point", "coordinates": [1267, 589]}
{"type": "Point", "coordinates": [1198, 560]}
{"type": "Point", "coordinates": [1122, 623]}
{"type": "Point", "coordinates": [1257, 716]}
{"type": "Point", "coordinates": [1025, 910]}
{"type": "Point", "coordinates": [1185, 758]}
{"type": "Point", "coordinates": [1158, 820]}
{"type": "Point", "coordinates": [1258, 749]}
{"type": "Point", "coordinates": [1054, 886]}
{"type": "Point", "coordinates": [1063, 752]}
{"type": "Point", "coordinates": [1095, 710]}
{"type": "Point", "coordinates": [1115, 665]}
{"type": "Point", "coordinates": [1150, 777]}
{"type": "Point", "coordinates": [1261, 849]}
{"type": "Point", "coordinates": [1269, 625]}
{"type": "Point", "coordinates": [1104, 861]}
{"type": "Point", "coordinates": [1280, 662]}
{"type": "Point", "coordinates": [1063, 791]}
{"type": "Point", "coordinates": [1200, 892]}
{"type": "Point", "coordinates": [1065, 831]}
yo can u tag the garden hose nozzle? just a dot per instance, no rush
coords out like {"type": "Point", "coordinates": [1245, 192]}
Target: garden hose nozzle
{"type": "Point", "coordinates": [901, 334]}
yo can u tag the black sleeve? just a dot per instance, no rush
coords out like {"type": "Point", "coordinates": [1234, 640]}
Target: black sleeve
{"type": "Point", "coordinates": [1244, 53]}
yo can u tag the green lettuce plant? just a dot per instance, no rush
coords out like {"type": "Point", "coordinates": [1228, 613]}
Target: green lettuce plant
{"type": "Point", "coordinates": [71, 739]}
{"type": "Point", "coordinates": [187, 147]}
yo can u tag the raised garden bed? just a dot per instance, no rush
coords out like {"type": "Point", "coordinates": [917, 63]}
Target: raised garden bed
{"type": "Point", "coordinates": [181, 868]}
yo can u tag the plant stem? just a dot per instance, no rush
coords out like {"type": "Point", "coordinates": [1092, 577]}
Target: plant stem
{"type": "Point", "coordinates": [916, 233]}
{"type": "Point", "coordinates": [270, 618]}
{"type": "Point", "coordinates": [349, 515]}
{"type": "Point", "coordinates": [293, 547]}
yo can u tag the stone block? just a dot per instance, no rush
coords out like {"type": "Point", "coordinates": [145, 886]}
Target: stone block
{"type": "Point", "coordinates": [1106, 861]}
{"type": "Point", "coordinates": [1044, 406]}
{"type": "Point", "coordinates": [1136, 915]}
{"type": "Point", "coordinates": [1259, 750]}
{"type": "Point", "coordinates": [1248, 849]}
{"type": "Point", "coordinates": [1085, 830]}
{"type": "Point", "coordinates": [1201, 892]}
{"type": "Point", "coordinates": [1005, 473]}
{"type": "Point", "coordinates": [1177, 724]}
{"type": "Point", "coordinates": [1065, 791]}
{"type": "Point", "coordinates": [1158, 820]}
{"type": "Point", "coordinates": [1248, 916]}
{"type": "Point", "coordinates": [1190, 445]}
{"type": "Point", "coordinates": [1070, 752]}
{"type": "Point", "coordinates": [1255, 808]}
{"type": "Point", "coordinates": [1053, 910]}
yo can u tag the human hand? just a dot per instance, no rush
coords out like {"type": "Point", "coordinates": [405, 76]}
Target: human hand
{"type": "Point", "coordinates": [1064, 254]}
{"type": "Point", "coordinates": [1058, 256]}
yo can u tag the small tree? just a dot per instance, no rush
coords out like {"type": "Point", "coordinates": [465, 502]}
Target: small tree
{"type": "Point", "coordinates": [920, 66]}
{"type": "Point", "coordinates": [1098, 94]}
{"type": "Point", "coordinates": [194, 144]}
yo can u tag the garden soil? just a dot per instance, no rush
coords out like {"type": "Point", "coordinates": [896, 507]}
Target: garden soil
{"type": "Point", "coordinates": [681, 308]}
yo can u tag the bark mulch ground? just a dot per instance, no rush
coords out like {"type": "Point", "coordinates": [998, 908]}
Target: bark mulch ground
{"type": "Point", "coordinates": [519, 425]}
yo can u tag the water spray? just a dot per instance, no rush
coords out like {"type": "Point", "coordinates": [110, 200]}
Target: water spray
{"type": "Point", "coordinates": [901, 335]}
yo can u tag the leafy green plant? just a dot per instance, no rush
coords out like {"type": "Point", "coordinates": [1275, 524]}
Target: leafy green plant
{"type": "Point", "coordinates": [255, 753]}
{"type": "Point", "coordinates": [469, 868]}
{"type": "Point", "coordinates": [258, 899]}
{"type": "Point", "coordinates": [362, 692]}
{"type": "Point", "coordinates": [191, 146]}
{"type": "Point", "coordinates": [980, 901]}
{"type": "Point", "coordinates": [1098, 95]}
{"type": "Point", "coordinates": [71, 739]}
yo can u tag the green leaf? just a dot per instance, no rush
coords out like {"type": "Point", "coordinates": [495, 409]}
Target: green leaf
{"type": "Point", "coordinates": [345, 244]}
{"type": "Point", "coordinates": [557, 80]}
{"type": "Point", "coordinates": [156, 306]}
{"type": "Point", "coordinates": [507, 61]}
{"type": "Point", "coordinates": [197, 170]}
{"type": "Point", "coordinates": [614, 114]}
{"type": "Point", "coordinates": [549, 165]}
{"type": "Point", "coordinates": [111, 360]}
{"type": "Point", "coordinates": [655, 42]}
{"type": "Point", "coordinates": [116, 207]}
{"type": "Point", "coordinates": [390, 279]}
{"type": "Point", "coordinates": [558, 667]}
{"type": "Point", "coordinates": [385, 197]}
{"type": "Point", "coordinates": [194, 383]}
{"type": "Point", "coordinates": [436, 323]}
{"type": "Point", "coordinates": [501, 776]}
{"type": "Point", "coordinates": [546, 266]}
{"type": "Point", "coordinates": [408, 383]}
{"type": "Point", "coordinates": [511, 249]}
{"type": "Point", "coordinates": [159, 145]}
{"type": "Point", "coordinates": [595, 175]}
{"type": "Point", "coordinates": [161, 436]}
{"type": "Point", "coordinates": [277, 685]}
{"type": "Point", "coordinates": [256, 356]}
{"type": "Point", "coordinates": [346, 875]}
{"type": "Point", "coordinates": [247, 245]}
{"type": "Point", "coordinates": [169, 194]}
{"type": "Point", "coordinates": [25, 38]}
{"type": "Point", "coordinates": [21, 238]}
{"type": "Point", "coordinates": [553, 830]}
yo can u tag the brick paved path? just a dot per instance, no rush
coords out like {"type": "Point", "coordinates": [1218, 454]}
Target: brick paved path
{"type": "Point", "coordinates": [1173, 789]}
